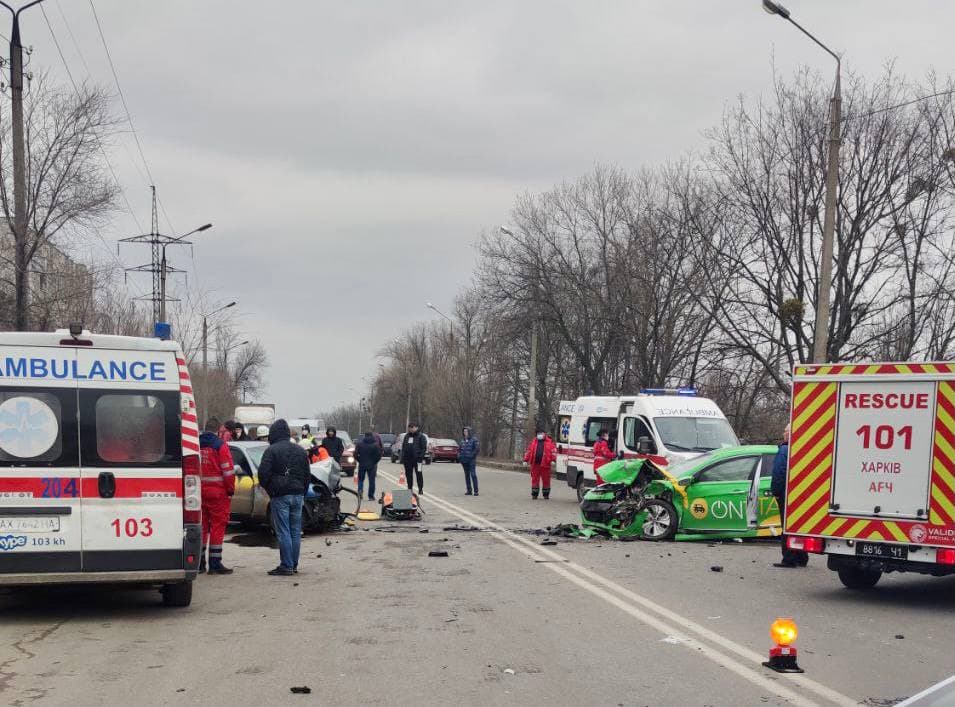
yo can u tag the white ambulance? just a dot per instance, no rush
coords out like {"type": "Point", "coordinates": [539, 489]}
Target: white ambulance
{"type": "Point", "coordinates": [99, 465]}
{"type": "Point", "coordinates": [674, 423]}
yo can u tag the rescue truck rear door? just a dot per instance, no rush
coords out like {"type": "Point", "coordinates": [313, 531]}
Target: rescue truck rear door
{"type": "Point", "coordinates": [131, 455]}
{"type": "Point", "coordinates": [40, 503]}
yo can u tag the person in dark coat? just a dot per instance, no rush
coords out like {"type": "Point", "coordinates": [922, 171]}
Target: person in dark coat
{"type": "Point", "coordinates": [468, 449]}
{"type": "Point", "coordinates": [413, 448]}
{"type": "Point", "coordinates": [284, 474]}
{"type": "Point", "coordinates": [368, 454]}
{"type": "Point", "coordinates": [333, 444]}
{"type": "Point", "coordinates": [791, 558]}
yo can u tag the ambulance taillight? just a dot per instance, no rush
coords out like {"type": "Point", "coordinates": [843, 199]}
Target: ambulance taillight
{"type": "Point", "coordinates": [191, 490]}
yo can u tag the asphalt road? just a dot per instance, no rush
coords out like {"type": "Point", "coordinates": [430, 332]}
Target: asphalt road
{"type": "Point", "coordinates": [371, 619]}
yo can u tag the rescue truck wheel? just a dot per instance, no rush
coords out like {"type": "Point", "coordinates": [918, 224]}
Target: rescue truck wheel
{"type": "Point", "coordinates": [661, 520]}
{"type": "Point", "coordinates": [859, 577]}
{"type": "Point", "coordinates": [178, 594]}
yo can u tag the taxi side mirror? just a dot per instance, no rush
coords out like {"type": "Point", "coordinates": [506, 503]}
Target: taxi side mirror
{"type": "Point", "coordinates": [643, 445]}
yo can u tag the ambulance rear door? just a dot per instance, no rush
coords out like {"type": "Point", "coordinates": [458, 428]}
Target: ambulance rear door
{"type": "Point", "coordinates": [131, 460]}
{"type": "Point", "coordinates": [40, 503]}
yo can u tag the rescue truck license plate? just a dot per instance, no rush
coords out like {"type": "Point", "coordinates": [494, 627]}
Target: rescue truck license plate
{"type": "Point", "coordinates": [892, 552]}
{"type": "Point", "coordinates": [30, 525]}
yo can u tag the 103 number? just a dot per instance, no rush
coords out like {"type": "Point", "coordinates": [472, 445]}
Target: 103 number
{"type": "Point", "coordinates": [132, 528]}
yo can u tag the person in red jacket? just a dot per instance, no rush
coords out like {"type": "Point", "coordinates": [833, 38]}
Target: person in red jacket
{"type": "Point", "coordinates": [218, 486]}
{"type": "Point", "coordinates": [541, 452]}
{"type": "Point", "coordinates": [602, 452]}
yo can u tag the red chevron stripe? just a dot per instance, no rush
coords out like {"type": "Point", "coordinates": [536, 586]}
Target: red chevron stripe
{"type": "Point", "coordinates": [820, 389]}
{"type": "Point", "coordinates": [804, 449]}
{"type": "Point", "coordinates": [804, 517]}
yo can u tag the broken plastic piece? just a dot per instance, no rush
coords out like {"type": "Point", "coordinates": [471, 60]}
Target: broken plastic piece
{"type": "Point", "coordinates": [438, 552]}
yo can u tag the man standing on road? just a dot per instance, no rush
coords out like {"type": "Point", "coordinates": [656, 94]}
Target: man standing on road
{"type": "Point", "coordinates": [413, 448]}
{"type": "Point", "coordinates": [791, 558]}
{"type": "Point", "coordinates": [218, 485]}
{"type": "Point", "coordinates": [468, 449]}
{"type": "Point", "coordinates": [284, 474]}
{"type": "Point", "coordinates": [539, 455]}
{"type": "Point", "coordinates": [368, 454]}
{"type": "Point", "coordinates": [333, 444]}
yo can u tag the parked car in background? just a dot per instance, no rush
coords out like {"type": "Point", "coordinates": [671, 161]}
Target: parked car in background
{"type": "Point", "coordinates": [250, 502]}
{"type": "Point", "coordinates": [387, 440]}
{"type": "Point", "coordinates": [348, 463]}
{"type": "Point", "coordinates": [443, 450]}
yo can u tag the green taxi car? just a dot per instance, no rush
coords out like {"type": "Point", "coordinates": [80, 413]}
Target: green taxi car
{"type": "Point", "coordinates": [724, 493]}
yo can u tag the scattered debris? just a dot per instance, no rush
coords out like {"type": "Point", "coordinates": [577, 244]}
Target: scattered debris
{"type": "Point", "coordinates": [181, 689]}
{"type": "Point", "coordinates": [425, 530]}
{"type": "Point", "coordinates": [716, 568]}
{"type": "Point", "coordinates": [466, 528]}
{"type": "Point", "coordinates": [899, 636]}
{"type": "Point", "coordinates": [295, 584]}
{"type": "Point", "coordinates": [327, 542]}
{"type": "Point", "coordinates": [627, 555]}
{"type": "Point", "coordinates": [548, 541]}
{"type": "Point", "coordinates": [508, 671]}
{"type": "Point", "coordinates": [438, 552]}
{"type": "Point", "coordinates": [671, 639]}
{"type": "Point", "coordinates": [303, 690]}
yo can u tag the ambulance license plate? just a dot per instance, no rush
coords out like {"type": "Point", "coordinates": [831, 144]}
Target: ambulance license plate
{"type": "Point", "coordinates": [33, 524]}
{"type": "Point", "coordinates": [890, 552]}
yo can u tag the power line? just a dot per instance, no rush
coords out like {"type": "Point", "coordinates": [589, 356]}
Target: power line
{"type": "Point", "coordinates": [76, 45]}
{"type": "Point", "coordinates": [122, 96]}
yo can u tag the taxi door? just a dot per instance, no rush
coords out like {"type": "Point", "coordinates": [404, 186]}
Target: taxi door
{"type": "Point", "coordinates": [40, 503]}
{"type": "Point", "coordinates": [762, 511]}
{"type": "Point", "coordinates": [717, 497]}
{"type": "Point", "coordinates": [131, 454]}
{"type": "Point", "coordinates": [245, 484]}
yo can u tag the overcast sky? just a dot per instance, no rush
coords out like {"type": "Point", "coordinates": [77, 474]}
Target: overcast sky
{"type": "Point", "coordinates": [350, 153]}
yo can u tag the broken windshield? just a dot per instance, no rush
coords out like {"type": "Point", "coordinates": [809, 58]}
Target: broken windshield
{"type": "Point", "coordinates": [695, 434]}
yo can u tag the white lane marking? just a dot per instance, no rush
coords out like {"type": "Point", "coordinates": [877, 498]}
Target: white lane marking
{"type": "Point", "coordinates": [562, 565]}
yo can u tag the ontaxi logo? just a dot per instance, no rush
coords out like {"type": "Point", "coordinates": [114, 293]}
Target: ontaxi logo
{"type": "Point", "coordinates": [12, 542]}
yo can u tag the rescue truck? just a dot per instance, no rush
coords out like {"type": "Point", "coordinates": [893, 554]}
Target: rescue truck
{"type": "Point", "coordinates": [99, 462]}
{"type": "Point", "coordinates": [871, 477]}
{"type": "Point", "coordinates": [663, 424]}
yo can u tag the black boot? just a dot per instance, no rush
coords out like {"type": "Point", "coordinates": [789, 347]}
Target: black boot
{"type": "Point", "coordinates": [546, 494]}
{"type": "Point", "coordinates": [534, 493]}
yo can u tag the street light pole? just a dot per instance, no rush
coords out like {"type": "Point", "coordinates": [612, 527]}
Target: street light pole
{"type": "Point", "coordinates": [821, 335]}
{"type": "Point", "coordinates": [163, 269]}
{"type": "Point", "coordinates": [531, 423]}
{"type": "Point", "coordinates": [450, 321]}
{"type": "Point", "coordinates": [205, 344]}
{"type": "Point", "coordinates": [21, 274]}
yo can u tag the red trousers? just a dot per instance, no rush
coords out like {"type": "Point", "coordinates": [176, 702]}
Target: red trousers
{"type": "Point", "coordinates": [215, 516]}
{"type": "Point", "coordinates": [540, 476]}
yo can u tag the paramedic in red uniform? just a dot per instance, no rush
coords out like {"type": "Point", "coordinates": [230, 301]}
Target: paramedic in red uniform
{"type": "Point", "coordinates": [539, 455]}
{"type": "Point", "coordinates": [218, 485]}
{"type": "Point", "coordinates": [602, 452]}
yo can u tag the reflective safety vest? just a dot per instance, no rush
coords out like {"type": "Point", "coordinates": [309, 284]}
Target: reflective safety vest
{"type": "Point", "coordinates": [218, 469]}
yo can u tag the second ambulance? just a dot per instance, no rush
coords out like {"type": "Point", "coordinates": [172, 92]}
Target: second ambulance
{"type": "Point", "coordinates": [665, 424]}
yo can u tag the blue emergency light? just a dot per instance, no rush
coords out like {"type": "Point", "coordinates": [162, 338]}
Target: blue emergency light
{"type": "Point", "coordinates": [162, 330]}
{"type": "Point", "coordinates": [688, 392]}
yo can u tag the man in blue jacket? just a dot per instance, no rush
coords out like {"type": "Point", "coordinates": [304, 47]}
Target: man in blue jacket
{"type": "Point", "coordinates": [791, 558]}
{"type": "Point", "coordinates": [468, 449]}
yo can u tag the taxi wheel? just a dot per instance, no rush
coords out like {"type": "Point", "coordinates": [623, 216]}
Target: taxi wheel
{"type": "Point", "coordinates": [859, 578]}
{"type": "Point", "coordinates": [178, 594]}
{"type": "Point", "coordinates": [661, 520]}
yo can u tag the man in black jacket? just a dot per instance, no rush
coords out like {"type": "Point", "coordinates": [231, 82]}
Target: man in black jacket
{"type": "Point", "coordinates": [284, 475]}
{"type": "Point", "coordinates": [333, 444]}
{"type": "Point", "coordinates": [368, 454]}
{"type": "Point", "coordinates": [413, 448]}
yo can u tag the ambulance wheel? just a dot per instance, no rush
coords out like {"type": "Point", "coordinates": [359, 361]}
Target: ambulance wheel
{"type": "Point", "coordinates": [178, 594]}
{"type": "Point", "coordinates": [581, 490]}
{"type": "Point", "coordinates": [859, 578]}
{"type": "Point", "coordinates": [661, 520]}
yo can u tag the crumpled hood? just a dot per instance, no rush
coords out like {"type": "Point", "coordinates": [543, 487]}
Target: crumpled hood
{"type": "Point", "coordinates": [279, 431]}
